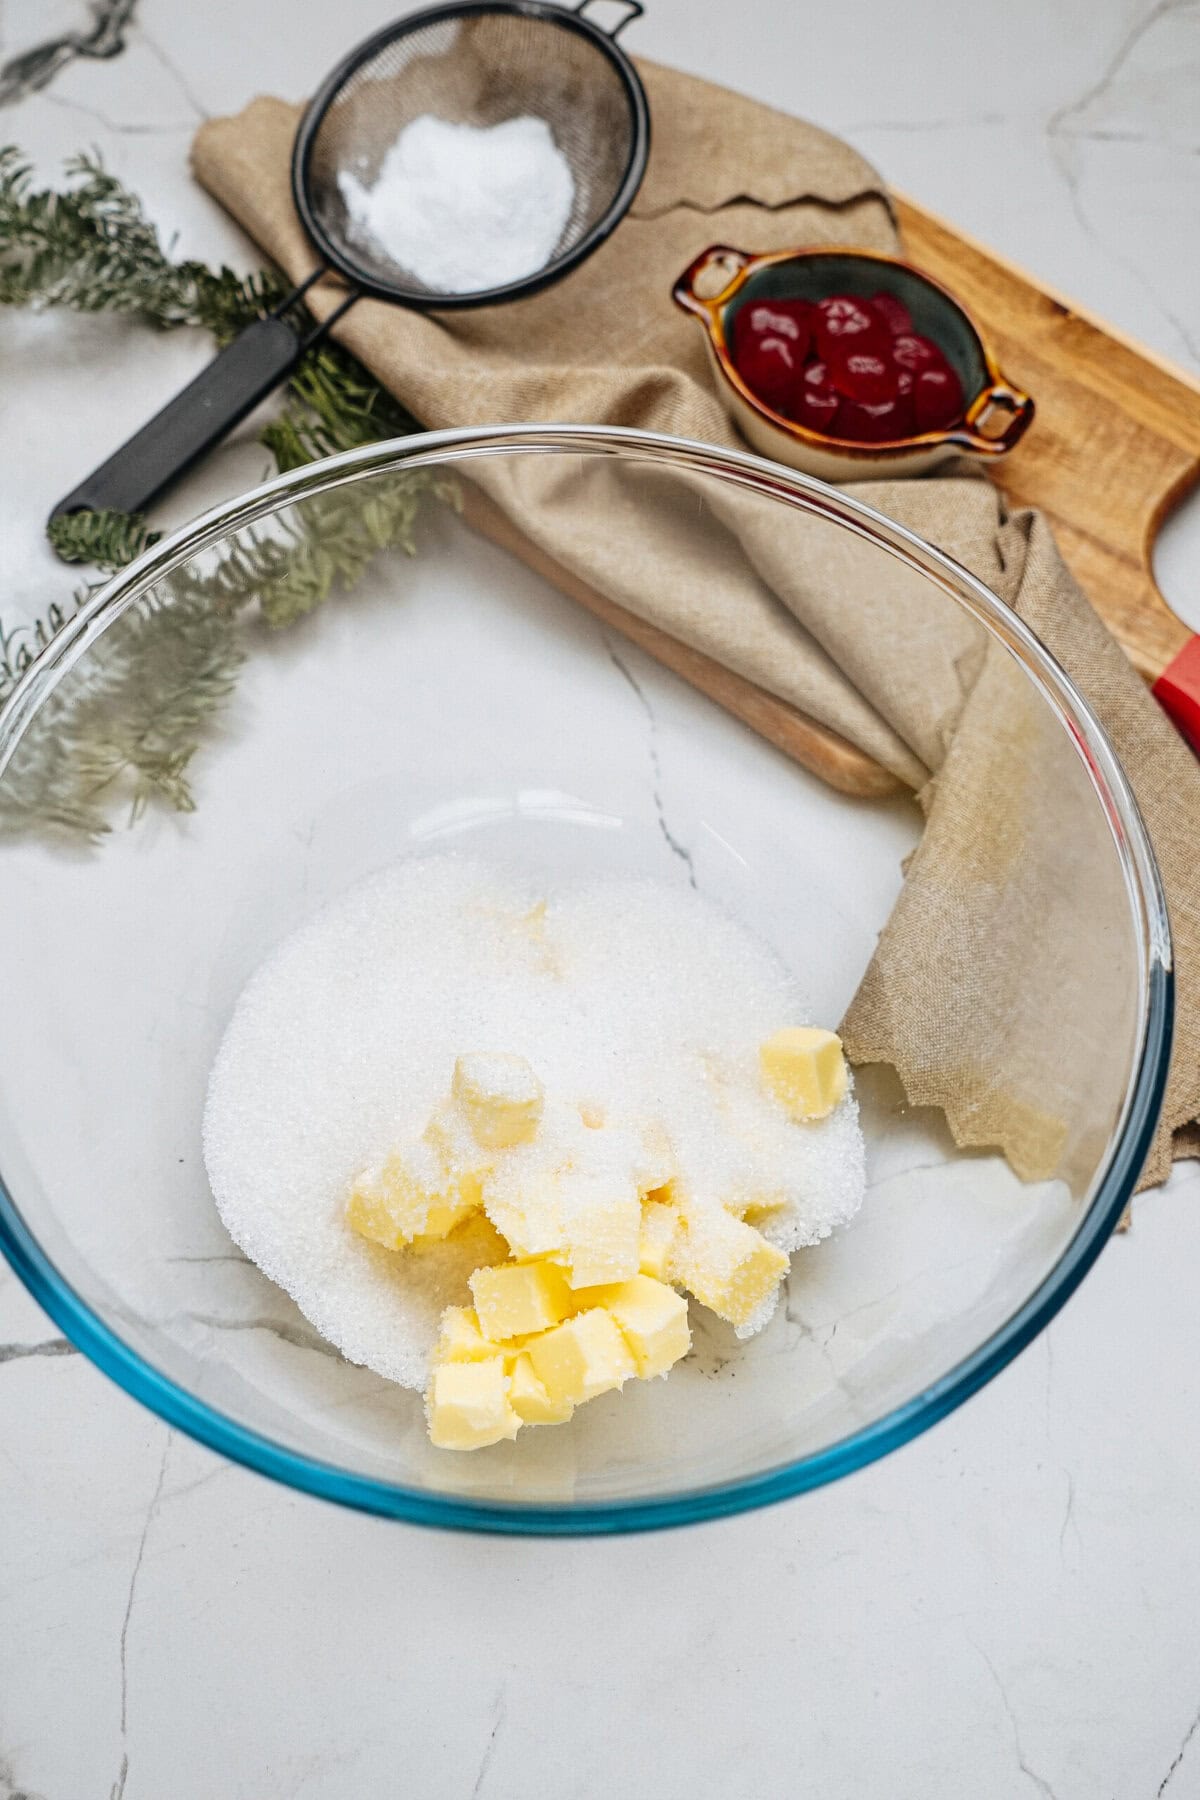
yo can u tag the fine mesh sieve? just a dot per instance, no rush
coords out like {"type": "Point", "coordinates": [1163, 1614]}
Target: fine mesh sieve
{"type": "Point", "coordinates": [474, 65]}
{"type": "Point", "coordinates": [478, 63]}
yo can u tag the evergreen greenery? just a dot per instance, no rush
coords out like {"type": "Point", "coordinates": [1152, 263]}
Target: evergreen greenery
{"type": "Point", "coordinates": [155, 682]}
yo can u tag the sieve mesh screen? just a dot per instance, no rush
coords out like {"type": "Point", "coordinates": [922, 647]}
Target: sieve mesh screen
{"type": "Point", "coordinates": [478, 69]}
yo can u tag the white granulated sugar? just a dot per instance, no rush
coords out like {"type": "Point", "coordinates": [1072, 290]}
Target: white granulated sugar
{"type": "Point", "coordinates": [640, 999]}
{"type": "Point", "coordinates": [464, 207]}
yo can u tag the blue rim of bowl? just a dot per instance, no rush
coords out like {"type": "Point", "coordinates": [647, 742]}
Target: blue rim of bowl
{"type": "Point", "coordinates": [1112, 1189]}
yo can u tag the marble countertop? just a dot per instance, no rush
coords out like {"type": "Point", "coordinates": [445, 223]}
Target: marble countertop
{"type": "Point", "coordinates": [1007, 1606]}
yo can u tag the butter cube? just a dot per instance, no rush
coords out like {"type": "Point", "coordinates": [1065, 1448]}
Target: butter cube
{"type": "Point", "coordinates": [804, 1068]}
{"type": "Point", "coordinates": [582, 1358]}
{"type": "Point", "coordinates": [460, 1339]}
{"type": "Point", "coordinates": [411, 1195]}
{"type": "Point", "coordinates": [654, 1322]}
{"type": "Point", "coordinates": [468, 1406]}
{"type": "Point", "coordinates": [602, 1220]}
{"type": "Point", "coordinates": [529, 1399]}
{"type": "Point", "coordinates": [727, 1265]}
{"type": "Point", "coordinates": [501, 1097]}
{"type": "Point", "coordinates": [660, 1223]}
{"type": "Point", "coordinates": [519, 1298]}
{"type": "Point", "coordinates": [522, 1201]}
{"type": "Point", "coordinates": [655, 1160]}
{"type": "Point", "coordinates": [449, 1136]}
{"type": "Point", "coordinates": [479, 1239]}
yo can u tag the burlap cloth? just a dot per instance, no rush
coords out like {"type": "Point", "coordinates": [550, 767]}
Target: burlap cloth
{"type": "Point", "coordinates": [966, 961]}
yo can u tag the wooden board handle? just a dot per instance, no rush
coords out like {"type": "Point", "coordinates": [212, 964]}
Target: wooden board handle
{"type": "Point", "coordinates": [1116, 445]}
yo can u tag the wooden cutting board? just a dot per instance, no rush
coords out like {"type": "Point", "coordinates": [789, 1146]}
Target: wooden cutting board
{"type": "Point", "coordinates": [1114, 446]}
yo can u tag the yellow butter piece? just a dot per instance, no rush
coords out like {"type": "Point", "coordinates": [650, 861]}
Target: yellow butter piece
{"type": "Point", "coordinates": [655, 1161]}
{"type": "Point", "coordinates": [501, 1097]}
{"type": "Point", "coordinates": [523, 1204]}
{"type": "Point", "coordinates": [460, 1338]}
{"type": "Point", "coordinates": [518, 1298]}
{"type": "Point", "coordinates": [601, 1225]}
{"type": "Point", "coordinates": [726, 1264]}
{"type": "Point", "coordinates": [766, 1206]}
{"type": "Point", "coordinates": [479, 1240]}
{"type": "Point", "coordinates": [804, 1068]}
{"type": "Point", "coordinates": [411, 1195]}
{"type": "Point", "coordinates": [528, 1397]}
{"type": "Point", "coordinates": [450, 1137]}
{"type": "Point", "coordinates": [654, 1323]}
{"type": "Point", "coordinates": [660, 1223]}
{"type": "Point", "coordinates": [468, 1405]}
{"type": "Point", "coordinates": [586, 1356]}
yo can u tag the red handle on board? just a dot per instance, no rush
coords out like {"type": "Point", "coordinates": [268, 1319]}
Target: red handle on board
{"type": "Point", "coordinates": [1177, 691]}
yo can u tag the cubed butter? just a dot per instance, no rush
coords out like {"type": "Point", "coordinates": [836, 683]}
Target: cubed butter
{"type": "Point", "coordinates": [762, 1207]}
{"type": "Point", "coordinates": [501, 1096]}
{"type": "Point", "coordinates": [660, 1223]}
{"type": "Point", "coordinates": [528, 1397]}
{"type": "Point", "coordinates": [411, 1195]}
{"type": "Point", "coordinates": [519, 1298]}
{"type": "Point", "coordinates": [523, 1204]}
{"type": "Point", "coordinates": [479, 1240]}
{"type": "Point", "coordinates": [655, 1161]}
{"type": "Point", "coordinates": [804, 1067]}
{"type": "Point", "coordinates": [468, 1405]}
{"type": "Point", "coordinates": [584, 1357]}
{"type": "Point", "coordinates": [601, 1224]}
{"type": "Point", "coordinates": [726, 1264]}
{"type": "Point", "coordinates": [449, 1135]}
{"type": "Point", "coordinates": [460, 1339]}
{"type": "Point", "coordinates": [654, 1323]}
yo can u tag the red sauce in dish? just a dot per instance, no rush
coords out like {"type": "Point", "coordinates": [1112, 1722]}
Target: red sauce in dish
{"type": "Point", "coordinates": [846, 367]}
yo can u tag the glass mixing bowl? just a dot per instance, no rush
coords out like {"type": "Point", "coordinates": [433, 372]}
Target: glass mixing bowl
{"type": "Point", "coordinates": [454, 698]}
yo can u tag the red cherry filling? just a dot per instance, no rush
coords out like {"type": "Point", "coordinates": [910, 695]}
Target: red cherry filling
{"type": "Point", "coordinates": [848, 324]}
{"type": "Point", "coordinates": [912, 351]}
{"type": "Point", "coordinates": [868, 424]}
{"type": "Point", "coordinates": [893, 312]}
{"type": "Point", "coordinates": [791, 319]}
{"type": "Point", "coordinates": [861, 375]}
{"type": "Point", "coordinates": [769, 366]}
{"type": "Point", "coordinates": [846, 367]}
{"type": "Point", "coordinates": [814, 400]}
{"type": "Point", "coordinates": [937, 399]}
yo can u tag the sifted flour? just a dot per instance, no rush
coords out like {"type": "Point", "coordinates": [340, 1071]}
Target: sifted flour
{"type": "Point", "coordinates": [635, 997]}
{"type": "Point", "coordinates": [463, 207]}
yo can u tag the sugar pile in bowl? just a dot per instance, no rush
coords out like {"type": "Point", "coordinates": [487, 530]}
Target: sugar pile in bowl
{"type": "Point", "coordinates": [465, 208]}
{"type": "Point", "coordinates": [633, 996]}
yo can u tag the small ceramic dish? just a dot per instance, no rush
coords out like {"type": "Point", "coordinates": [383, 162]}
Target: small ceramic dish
{"type": "Point", "coordinates": [721, 281]}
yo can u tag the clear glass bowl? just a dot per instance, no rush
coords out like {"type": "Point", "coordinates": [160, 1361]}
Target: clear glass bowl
{"type": "Point", "coordinates": [455, 698]}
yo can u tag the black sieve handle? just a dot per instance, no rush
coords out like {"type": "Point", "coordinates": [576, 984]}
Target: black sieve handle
{"type": "Point", "coordinates": [635, 11]}
{"type": "Point", "coordinates": [231, 386]}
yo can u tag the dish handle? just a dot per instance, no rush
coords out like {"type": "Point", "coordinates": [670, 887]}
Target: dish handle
{"type": "Point", "coordinates": [998, 400]}
{"type": "Point", "coordinates": [720, 263]}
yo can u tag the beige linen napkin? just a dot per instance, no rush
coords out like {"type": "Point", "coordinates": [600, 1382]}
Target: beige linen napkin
{"type": "Point", "coordinates": [921, 696]}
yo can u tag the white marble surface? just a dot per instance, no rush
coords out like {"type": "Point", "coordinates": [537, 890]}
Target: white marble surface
{"type": "Point", "coordinates": [1006, 1607]}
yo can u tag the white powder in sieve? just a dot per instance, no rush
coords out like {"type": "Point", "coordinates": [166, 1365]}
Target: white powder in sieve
{"type": "Point", "coordinates": [463, 207]}
{"type": "Point", "coordinates": [642, 998]}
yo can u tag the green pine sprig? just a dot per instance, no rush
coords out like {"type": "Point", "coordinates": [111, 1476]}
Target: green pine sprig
{"type": "Point", "coordinates": [156, 682]}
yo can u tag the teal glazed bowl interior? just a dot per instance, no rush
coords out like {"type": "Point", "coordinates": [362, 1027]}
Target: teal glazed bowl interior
{"type": "Point", "coordinates": [454, 700]}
